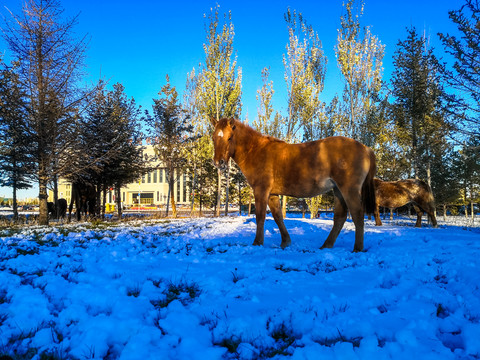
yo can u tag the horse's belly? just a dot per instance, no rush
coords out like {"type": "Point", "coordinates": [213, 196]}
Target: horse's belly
{"type": "Point", "coordinates": [304, 189]}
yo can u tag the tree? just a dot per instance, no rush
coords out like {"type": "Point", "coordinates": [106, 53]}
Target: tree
{"type": "Point", "coordinates": [16, 168]}
{"type": "Point", "coordinates": [417, 106]}
{"type": "Point", "coordinates": [49, 63]}
{"type": "Point", "coordinates": [219, 81]}
{"type": "Point", "coordinates": [171, 131]}
{"type": "Point", "coordinates": [467, 166]}
{"type": "Point", "coordinates": [305, 67]}
{"type": "Point", "coordinates": [464, 76]}
{"type": "Point", "coordinates": [110, 155]}
{"type": "Point", "coordinates": [359, 58]}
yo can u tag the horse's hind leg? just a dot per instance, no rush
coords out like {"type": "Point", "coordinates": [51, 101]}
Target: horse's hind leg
{"type": "Point", "coordinates": [419, 216]}
{"type": "Point", "coordinates": [339, 217]}
{"type": "Point", "coordinates": [276, 208]}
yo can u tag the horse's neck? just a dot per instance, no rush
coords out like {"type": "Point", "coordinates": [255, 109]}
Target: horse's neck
{"type": "Point", "coordinates": [248, 143]}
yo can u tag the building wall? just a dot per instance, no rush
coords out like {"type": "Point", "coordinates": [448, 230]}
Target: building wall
{"type": "Point", "coordinates": [151, 188]}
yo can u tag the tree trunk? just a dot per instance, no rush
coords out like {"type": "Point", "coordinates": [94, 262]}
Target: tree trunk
{"type": "Point", "coordinates": [227, 188]}
{"type": "Point", "coordinates": [219, 193]}
{"type": "Point", "coordinates": [192, 193]}
{"type": "Point", "coordinates": [42, 194]}
{"type": "Point", "coordinates": [168, 199]}
{"type": "Point", "coordinates": [172, 197]}
{"type": "Point", "coordinates": [104, 201]}
{"type": "Point", "coordinates": [118, 201]}
{"type": "Point", "coordinates": [239, 198]}
{"type": "Point", "coordinates": [444, 212]}
{"type": "Point", "coordinates": [55, 196]}
{"type": "Point", "coordinates": [14, 205]}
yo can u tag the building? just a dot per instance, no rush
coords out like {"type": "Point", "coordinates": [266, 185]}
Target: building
{"type": "Point", "coordinates": [150, 190]}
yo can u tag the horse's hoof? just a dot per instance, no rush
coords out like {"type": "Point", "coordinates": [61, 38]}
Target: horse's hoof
{"type": "Point", "coordinates": [284, 245]}
{"type": "Point", "coordinates": [256, 243]}
{"type": "Point", "coordinates": [355, 250]}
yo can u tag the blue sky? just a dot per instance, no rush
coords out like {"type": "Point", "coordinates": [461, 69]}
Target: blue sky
{"type": "Point", "coordinates": [137, 43]}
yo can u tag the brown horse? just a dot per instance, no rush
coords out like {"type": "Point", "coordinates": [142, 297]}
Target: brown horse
{"type": "Point", "coordinates": [273, 167]}
{"type": "Point", "coordinates": [393, 194]}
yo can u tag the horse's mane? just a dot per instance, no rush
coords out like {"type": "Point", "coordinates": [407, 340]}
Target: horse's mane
{"type": "Point", "coordinates": [251, 132]}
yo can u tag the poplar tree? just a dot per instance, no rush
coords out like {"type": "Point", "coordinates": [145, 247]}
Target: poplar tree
{"type": "Point", "coordinates": [49, 63]}
{"type": "Point", "coordinates": [219, 80]}
{"type": "Point", "coordinates": [305, 66]}
{"type": "Point", "coordinates": [359, 58]}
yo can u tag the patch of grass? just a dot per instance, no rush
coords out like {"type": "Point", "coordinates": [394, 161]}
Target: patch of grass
{"type": "Point", "coordinates": [442, 311]}
{"type": "Point", "coordinates": [231, 343]}
{"type": "Point", "coordinates": [27, 252]}
{"type": "Point", "coordinates": [285, 269]}
{"type": "Point", "coordinates": [329, 342]}
{"type": "Point", "coordinates": [236, 277]}
{"type": "Point", "coordinates": [184, 291]}
{"type": "Point", "coordinates": [3, 297]}
{"type": "Point", "coordinates": [134, 291]}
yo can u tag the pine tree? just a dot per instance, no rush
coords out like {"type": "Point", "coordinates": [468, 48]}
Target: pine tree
{"type": "Point", "coordinates": [417, 107]}
{"type": "Point", "coordinates": [108, 154]}
{"type": "Point", "coordinates": [464, 76]}
{"type": "Point", "coordinates": [16, 166]}
{"type": "Point", "coordinates": [171, 131]}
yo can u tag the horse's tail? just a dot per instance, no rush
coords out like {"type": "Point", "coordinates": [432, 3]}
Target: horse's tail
{"type": "Point", "coordinates": [368, 188]}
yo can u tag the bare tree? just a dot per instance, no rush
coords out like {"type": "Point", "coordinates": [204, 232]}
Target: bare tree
{"type": "Point", "coordinates": [49, 66]}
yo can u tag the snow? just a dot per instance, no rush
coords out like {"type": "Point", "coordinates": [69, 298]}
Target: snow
{"type": "Point", "coordinates": [198, 289]}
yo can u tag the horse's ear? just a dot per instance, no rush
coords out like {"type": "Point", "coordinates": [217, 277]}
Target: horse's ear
{"type": "Point", "coordinates": [231, 122]}
{"type": "Point", "coordinates": [213, 121]}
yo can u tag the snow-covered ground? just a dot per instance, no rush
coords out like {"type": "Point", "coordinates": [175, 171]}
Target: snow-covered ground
{"type": "Point", "coordinates": [197, 289]}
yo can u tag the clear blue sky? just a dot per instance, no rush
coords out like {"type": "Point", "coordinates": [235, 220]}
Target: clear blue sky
{"type": "Point", "coordinates": [137, 43]}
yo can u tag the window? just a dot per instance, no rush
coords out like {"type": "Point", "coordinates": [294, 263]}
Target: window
{"type": "Point", "coordinates": [155, 176]}
{"type": "Point", "coordinates": [149, 177]}
{"type": "Point", "coordinates": [143, 178]}
{"type": "Point", "coordinates": [161, 175]}
{"type": "Point", "coordinates": [124, 196]}
{"type": "Point", "coordinates": [158, 196]}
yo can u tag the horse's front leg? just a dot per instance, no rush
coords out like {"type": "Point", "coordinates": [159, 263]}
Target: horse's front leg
{"type": "Point", "coordinates": [261, 197]}
{"type": "Point", "coordinates": [276, 208]}
{"type": "Point", "coordinates": [376, 215]}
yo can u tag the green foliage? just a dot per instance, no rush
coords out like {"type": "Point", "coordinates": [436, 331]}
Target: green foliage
{"type": "Point", "coordinates": [360, 58]}
{"type": "Point", "coordinates": [463, 76]}
{"type": "Point", "coordinates": [305, 67]}
{"type": "Point", "coordinates": [219, 82]}
{"type": "Point", "coordinates": [417, 109]}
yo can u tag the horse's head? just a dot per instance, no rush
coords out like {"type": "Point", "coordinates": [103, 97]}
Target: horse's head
{"type": "Point", "coordinates": [223, 142]}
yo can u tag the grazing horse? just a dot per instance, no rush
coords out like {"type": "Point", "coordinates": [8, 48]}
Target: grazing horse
{"type": "Point", "coordinates": [61, 208]}
{"type": "Point", "coordinates": [273, 167]}
{"type": "Point", "coordinates": [393, 194]}
{"type": "Point", "coordinates": [84, 196]}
